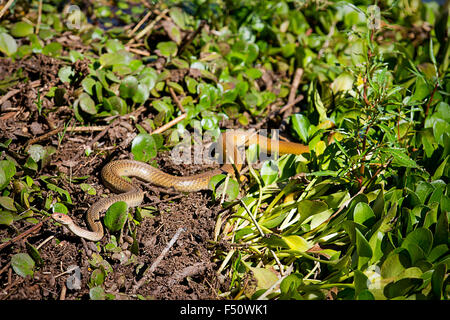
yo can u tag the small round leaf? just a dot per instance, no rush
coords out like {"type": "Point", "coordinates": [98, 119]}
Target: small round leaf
{"type": "Point", "coordinates": [116, 215]}
{"type": "Point", "coordinates": [22, 264]}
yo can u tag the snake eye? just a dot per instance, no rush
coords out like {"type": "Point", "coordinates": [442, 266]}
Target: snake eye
{"type": "Point", "coordinates": [58, 216]}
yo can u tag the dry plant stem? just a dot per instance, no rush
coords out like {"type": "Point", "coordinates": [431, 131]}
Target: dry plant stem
{"type": "Point", "coordinates": [170, 124]}
{"type": "Point", "coordinates": [158, 260]}
{"type": "Point", "coordinates": [188, 272]}
{"type": "Point", "coordinates": [138, 51]}
{"type": "Point", "coordinates": [279, 111]}
{"type": "Point", "coordinates": [6, 7]}
{"type": "Point", "coordinates": [297, 79]}
{"type": "Point", "coordinates": [140, 23]}
{"type": "Point", "coordinates": [62, 295]}
{"type": "Point", "coordinates": [177, 101]}
{"type": "Point", "coordinates": [5, 267]}
{"type": "Point", "coordinates": [24, 234]}
{"type": "Point", "coordinates": [38, 25]}
{"type": "Point", "coordinates": [430, 100]}
{"type": "Point", "coordinates": [149, 28]}
{"type": "Point", "coordinates": [44, 136]}
{"type": "Point", "coordinates": [57, 130]}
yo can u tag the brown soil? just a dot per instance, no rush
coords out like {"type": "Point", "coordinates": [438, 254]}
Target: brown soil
{"type": "Point", "coordinates": [187, 271]}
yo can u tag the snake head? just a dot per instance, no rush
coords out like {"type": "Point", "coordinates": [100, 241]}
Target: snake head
{"type": "Point", "coordinates": [62, 218]}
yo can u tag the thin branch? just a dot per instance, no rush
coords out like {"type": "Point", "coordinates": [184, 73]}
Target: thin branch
{"type": "Point", "coordinates": [148, 28]}
{"type": "Point", "coordinates": [24, 234]}
{"type": "Point", "coordinates": [170, 124]}
{"type": "Point", "coordinates": [149, 271]}
{"type": "Point", "coordinates": [6, 7]}
{"type": "Point", "coordinates": [279, 111]}
{"type": "Point", "coordinates": [190, 37]}
{"type": "Point", "coordinates": [177, 101]}
{"type": "Point", "coordinates": [38, 24]}
{"type": "Point", "coordinates": [140, 23]}
{"type": "Point", "coordinates": [292, 94]}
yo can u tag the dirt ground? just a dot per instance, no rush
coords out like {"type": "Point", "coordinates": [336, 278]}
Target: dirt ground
{"type": "Point", "coordinates": [187, 271]}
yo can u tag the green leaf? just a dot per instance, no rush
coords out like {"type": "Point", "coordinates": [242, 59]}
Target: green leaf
{"type": "Point", "coordinates": [121, 57]}
{"type": "Point", "coordinates": [300, 124]}
{"type": "Point", "coordinates": [254, 73]}
{"type": "Point", "coordinates": [440, 129]}
{"type": "Point", "coordinates": [422, 89]}
{"type": "Point", "coordinates": [142, 94]}
{"type": "Point", "coordinates": [7, 171]}
{"type": "Point", "coordinates": [22, 264]}
{"type": "Point", "coordinates": [60, 191]}
{"type": "Point", "coordinates": [7, 44]}
{"type": "Point", "coordinates": [97, 278]}
{"type": "Point", "coordinates": [6, 218]}
{"type": "Point", "coordinates": [296, 243]}
{"type": "Point", "coordinates": [401, 159]}
{"type": "Point", "coordinates": [88, 189]}
{"type": "Point", "coordinates": [217, 185]}
{"type": "Point", "coordinates": [344, 82]}
{"type": "Point", "coordinates": [34, 253]}
{"type": "Point", "coordinates": [87, 84]}
{"type": "Point", "coordinates": [418, 243]}
{"type": "Point", "coordinates": [290, 284]}
{"type": "Point", "coordinates": [442, 229]}
{"type": "Point", "coordinates": [7, 203]}
{"type": "Point", "coordinates": [21, 29]}
{"type": "Point", "coordinates": [365, 295]}
{"type": "Point", "coordinates": [363, 250]}
{"type": "Point", "coordinates": [60, 208]}
{"type": "Point", "coordinates": [395, 264]}
{"type": "Point", "coordinates": [116, 216]}
{"type": "Point", "coordinates": [179, 17]}
{"type": "Point", "coordinates": [167, 49]}
{"type": "Point", "coordinates": [128, 87]}
{"type": "Point", "coordinates": [163, 105]}
{"type": "Point", "coordinates": [307, 208]}
{"type": "Point", "coordinates": [375, 242]}
{"type": "Point", "coordinates": [65, 73]}
{"type": "Point", "coordinates": [97, 293]}
{"type": "Point", "coordinates": [361, 281]}
{"type": "Point", "coordinates": [269, 172]}
{"type": "Point", "coordinates": [440, 170]}
{"type": "Point", "coordinates": [401, 287]}
{"type": "Point", "coordinates": [363, 214]}
{"type": "Point", "coordinates": [117, 104]}
{"type": "Point", "coordinates": [437, 280]}
{"type": "Point", "coordinates": [52, 49]}
{"type": "Point", "coordinates": [143, 147]}
{"type": "Point", "coordinates": [87, 104]}
{"type": "Point", "coordinates": [265, 278]}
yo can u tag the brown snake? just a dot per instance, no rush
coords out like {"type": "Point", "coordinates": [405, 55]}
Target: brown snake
{"type": "Point", "coordinates": [130, 193]}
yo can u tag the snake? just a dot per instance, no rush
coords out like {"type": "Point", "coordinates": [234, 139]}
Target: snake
{"type": "Point", "coordinates": [113, 174]}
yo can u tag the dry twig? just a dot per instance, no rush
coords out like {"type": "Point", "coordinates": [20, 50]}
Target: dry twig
{"type": "Point", "coordinates": [148, 273]}
{"type": "Point", "coordinates": [6, 7]}
{"type": "Point", "coordinates": [170, 124]}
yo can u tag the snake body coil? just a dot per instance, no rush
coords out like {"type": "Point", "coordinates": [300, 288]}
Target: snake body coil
{"type": "Point", "coordinates": [112, 175]}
